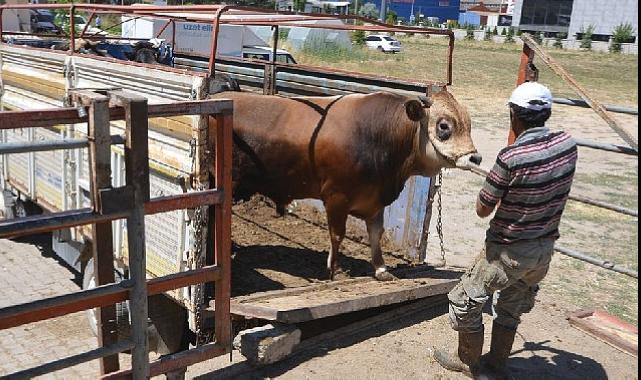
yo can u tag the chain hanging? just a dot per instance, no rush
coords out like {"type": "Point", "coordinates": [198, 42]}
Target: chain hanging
{"type": "Point", "coordinates": [439, 221]}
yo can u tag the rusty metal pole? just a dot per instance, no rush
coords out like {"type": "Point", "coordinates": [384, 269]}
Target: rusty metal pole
{"type": "Point", "coordinates": [102, 236]}
{"type": "Point", "coordinates": [450, 59]}
{"type": "Point", "coordinates": [524, 74]}
{"type": "Point", "coordinates": [72, 29]}
{"type": "Point", "coordinates": [221, 228]}
{"type": "Point", "coordinates": [137, 176]}
{"type": "Point", "coordinates": [214, 44]}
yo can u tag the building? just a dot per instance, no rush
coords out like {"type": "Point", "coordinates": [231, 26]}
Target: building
{"type": "Point", "coordinates": [486, 13]}
{"type": "Point", "coordinates": [421, 9]}
{"type": "Point", "coordinates": [573, 16]}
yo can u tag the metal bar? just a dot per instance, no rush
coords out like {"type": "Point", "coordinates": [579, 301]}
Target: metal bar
{"type": "Point", "coordinates": [70, 361]}
{"type": "Point", "coordinates": [222, 228]}
{"type": "Point", "coordinates": [606, 264]}
{"type": "Point", "coordinates": [51, 222]}
{"type": "Point", "coordinates": [175, 361]}
{"type": "Point", "coordinates": [584, 104]}
{"type": "Point", "coordinates": [40, 146]}
{"type": "Point", "coordinates": [56, 116]}
{"type": "Point", "coordinates": [527, 55]}
{"type": "Point", "coordinates": [91, 16]}
{"type": "Point", "coordinates": [102, 234]}
{"type": "Point", "coordinates": [35, 311]}
{"type": "Point", "coordinates": [72, 29]}
{"type": "Point", "coordinates": [594, 104]}
{"type": "Point", "coordinates": [606, 147]}
{"type": "Point", "coordinates": [184, 201]}
{"type": "Point", "coordinates": [163, 28]}
{"type": "Point", "coordinates": [214, 44]}
{"type": "Point", "coordinates": [578, 198]}
{"type": "Point", "coordinates": [422, 247]}
{"type": "Point", "coordinates": [137, 176]}
{"type": "Point", "coordinates": [450, 59]}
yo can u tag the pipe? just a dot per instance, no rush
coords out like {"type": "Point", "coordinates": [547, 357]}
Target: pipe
{"type": "Point", "coordinates": [606, 147]}
{"type": "Point", "coordinates": [598, 262]}
{"type": "Point", "coordinates": [584, 104]}
{"type": "Point", "coordinates": [40, 146]}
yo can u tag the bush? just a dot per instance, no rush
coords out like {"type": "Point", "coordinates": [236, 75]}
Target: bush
{"type": "Point", "coordinates": [488, 35]}
{"type": "Point", "coordinates": [368, 10]}
{"type": "Point", "coordinates": [495, 31]}
{"type": "Point", "coordinates": [504, 32]}
{"type": "Point", "coordinates": [358, 37]}
{"type": "Point", "coordinates": [586, 37]}
{"type": "Point", "coordinates": [538, 38]}
{"type": "Point", "coordinates": [469, 35]}
{"type": "Point", "coordinates": [622, 33]}
{"type": "Point", "coordinates": [558, 41]}
{"type": "Point", "coordinates": [509, 37]}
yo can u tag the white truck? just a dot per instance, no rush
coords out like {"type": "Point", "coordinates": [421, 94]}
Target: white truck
{"type": "Point", "coordinates": [194, 39]}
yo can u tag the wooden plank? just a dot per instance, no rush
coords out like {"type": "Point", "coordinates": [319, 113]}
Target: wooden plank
{"type": "Point", "coordinates": [608, 329]}
{"type": "Point", "coordinates": [592, 102]}
{"type": "Point", "coordinates": [314, 302]}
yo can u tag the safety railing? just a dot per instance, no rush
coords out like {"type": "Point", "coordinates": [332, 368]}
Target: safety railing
{"type": "Point", "coordinates": [132, 202]}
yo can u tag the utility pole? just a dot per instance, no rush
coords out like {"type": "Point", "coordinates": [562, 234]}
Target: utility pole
{"type": "Point", "coordinates": [383, 13]}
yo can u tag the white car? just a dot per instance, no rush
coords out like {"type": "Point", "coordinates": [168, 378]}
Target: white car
{"type": "Point", "coordinates": [382, 42]}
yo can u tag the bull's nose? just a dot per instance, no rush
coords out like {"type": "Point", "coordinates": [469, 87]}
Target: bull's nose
{"type": "Point", "coordinates": [476, 159]}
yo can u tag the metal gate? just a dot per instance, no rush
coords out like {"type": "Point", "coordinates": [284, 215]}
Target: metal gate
{"type": "Point", "coordinates": [131, 202]}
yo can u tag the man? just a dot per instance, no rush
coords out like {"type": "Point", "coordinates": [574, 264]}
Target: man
{"type": "Point", "coordinates": [529, 186]}
{"type": "Point", "coordinates": [98, 22]}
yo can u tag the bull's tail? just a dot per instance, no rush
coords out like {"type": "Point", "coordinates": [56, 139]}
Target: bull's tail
{"type": "Point", "coordinates": [222, 83]}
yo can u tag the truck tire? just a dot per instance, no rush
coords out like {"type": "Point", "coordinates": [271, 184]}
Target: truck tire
{"type": "Point", "coordinates": [122, 308]}
{"type": "Point", "coordinates": [23, 209]}
{"type": "Point", "coordinates": [145, 55]}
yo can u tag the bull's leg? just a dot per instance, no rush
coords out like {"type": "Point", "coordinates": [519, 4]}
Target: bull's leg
{"type": "Point", "coordinates": [375, 232]}
{"type": "Point", "coordinates": [336, 208]}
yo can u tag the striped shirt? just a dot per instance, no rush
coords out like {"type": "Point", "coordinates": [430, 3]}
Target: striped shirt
{"type": "Point", "coordinates": [532, 179]}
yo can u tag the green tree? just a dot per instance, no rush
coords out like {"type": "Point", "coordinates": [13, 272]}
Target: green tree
{"type": "Point", "coordinates": [487, 36]}
{"type": "Point", "coordinates": [504, 31]}
{"type": "Point", "coordinates": [495, 31]}
{"type": "Point", "coordinates": [558, 40]}
{"type": "Point", "coordinates": [622, 33]}
{"type": "Point", "coordinates": [369, 10]}
{"type": "Point", "coordinates": [586, 37]}
{"type": "Point", "coordinates": [391, 18]}
{"type": "Point", "coordinates": [299, 5]}
{"type": "Point", "coordinates": [509, 37]}
{"type": "Point", "coordinates": [469, 35]}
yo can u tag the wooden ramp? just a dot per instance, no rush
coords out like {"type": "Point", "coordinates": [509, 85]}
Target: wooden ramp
{"type": "Point", "coordinates": [339, 297]}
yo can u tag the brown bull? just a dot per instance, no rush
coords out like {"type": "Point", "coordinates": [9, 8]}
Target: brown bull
{"type": "Point", "coordinates": [353, 152]}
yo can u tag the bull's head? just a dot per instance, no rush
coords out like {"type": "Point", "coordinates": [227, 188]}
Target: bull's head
{"type": "Point", "coordinates": [444, 136]}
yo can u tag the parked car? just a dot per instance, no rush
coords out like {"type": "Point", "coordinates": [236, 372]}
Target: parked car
{"type": "Point", "coordinates": [41, 21]}
{"type": "Point", "coordinates": [383, 43]}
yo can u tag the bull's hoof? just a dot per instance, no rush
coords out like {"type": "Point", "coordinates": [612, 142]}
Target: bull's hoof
{"type": "Point", "coordinates": [338, 274]}
{"type": "Point", "coordinates": [382, 274]}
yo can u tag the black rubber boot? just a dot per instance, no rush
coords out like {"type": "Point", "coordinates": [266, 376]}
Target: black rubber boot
{"type": "Point", "coordinates": [496, 360]}
{"type": "Point", "coordinates": [467, 359]}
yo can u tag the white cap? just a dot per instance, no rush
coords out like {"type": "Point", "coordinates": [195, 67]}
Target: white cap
{"type": "Point", "coordinates": [532, 95]}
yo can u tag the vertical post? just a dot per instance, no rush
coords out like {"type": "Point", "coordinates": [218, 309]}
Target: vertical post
{"type": "Point", "coordinates": [173, 36]}
{"type": "Point", "coordinates": [72, 29]}
{"type": "Point", "coordinates": [221, 228]}
{"type": "Point", "coordinates": [102, 237]}
{"type": "Point", "coordinates": [450, 53]}
{"type": "Point", "coordinates": [269, 84]}
{"type": "Point", "coordinates": [422, 247]}
{"type": "Point", "coordinates": [527, 55]}
{"type": "Point", "coordinates": [214, 43]}
{"type": "Point", "coordinates": [137, 176]}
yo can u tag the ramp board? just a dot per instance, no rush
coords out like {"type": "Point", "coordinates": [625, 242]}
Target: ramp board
{"type": "Point", "coordinates": [339, 297]}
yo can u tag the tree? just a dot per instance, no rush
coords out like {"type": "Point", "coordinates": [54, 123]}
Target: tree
{"type": "Point", "coordinates": [586, 37]}
{"type": "Point", "coordinates": [369, 10]}
{"type": "Point", "coordinates": [487, 35]}
{"type": "Point", "coordinates": [504, 32]}
{"type": "Point", "coordinates": [509, 37]}
{"type": "Point", "coordinates": [558, 41]}
{"type": "Point", "coordinates": [622, 33]}
{"type": "Point", "coordinates": [469, 35]}
{"type": "Point", "coordinates": [495, 31]}
{"type": "Point", "coordinates": [391, 18]}
{"type": "Point", "coordinates": [299, 5]}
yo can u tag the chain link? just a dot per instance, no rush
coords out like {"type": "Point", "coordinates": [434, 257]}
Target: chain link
{"type": "Point", "coordinates": [439, 221]}
{"type": "Point", "coordinates": [197, 259]}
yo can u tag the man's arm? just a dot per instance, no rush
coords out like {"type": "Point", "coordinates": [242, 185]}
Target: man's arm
{"type": "Point", "coordinates": [482, 210]}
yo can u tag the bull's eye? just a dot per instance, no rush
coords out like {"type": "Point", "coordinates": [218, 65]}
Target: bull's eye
{"type": "Point", "coordinates": [443, 130]}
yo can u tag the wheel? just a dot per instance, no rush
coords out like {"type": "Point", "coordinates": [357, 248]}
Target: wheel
{"type": "Point", "coordinates": [380, 48]}
{"type": "Point", "coordinates": [122, 308]}
{"type": "Point", "coordinates": [23, 209]}
{"type": "Point", "coordinates": [146, 55]}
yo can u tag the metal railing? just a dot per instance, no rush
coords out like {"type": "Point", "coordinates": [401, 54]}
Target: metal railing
{"type": "Point", "coordinates": [132, 202]}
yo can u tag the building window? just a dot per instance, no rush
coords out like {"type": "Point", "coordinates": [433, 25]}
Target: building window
{"type": "Point", "coordinates": [444, 3]}
{"type": "Point", "coordinates": [546, 12]}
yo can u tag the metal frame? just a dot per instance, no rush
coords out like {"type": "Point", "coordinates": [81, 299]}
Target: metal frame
{"type": "Point", "coordinates": [132, 202]}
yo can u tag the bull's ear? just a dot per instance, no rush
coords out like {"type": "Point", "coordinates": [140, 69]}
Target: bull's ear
{"type": "Point", "coordinates": [414, 110]}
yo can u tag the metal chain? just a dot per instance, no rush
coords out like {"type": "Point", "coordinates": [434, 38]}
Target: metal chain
{"type": "Point", "coordinates": [439, 221]}
{"type": "Point", "coordinates": [197, 258]}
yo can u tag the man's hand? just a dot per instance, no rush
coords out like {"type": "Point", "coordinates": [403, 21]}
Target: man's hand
{"type": "Point", "coordinates": [483, 210]}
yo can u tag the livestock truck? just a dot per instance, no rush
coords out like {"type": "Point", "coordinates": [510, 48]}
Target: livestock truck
{"type": "Point", "coordinates": [51, 181]}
